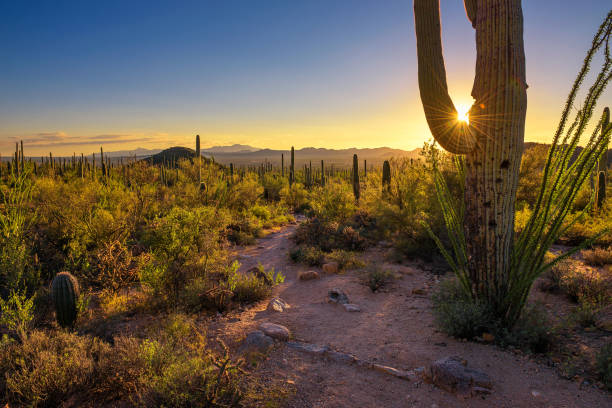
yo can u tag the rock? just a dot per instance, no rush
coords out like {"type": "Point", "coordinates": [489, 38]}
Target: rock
{"type": "Point", "coordinates": [308, 348]}
{"type": "Point", "coordinates": [419, 292]}
{"type": "Point", "coordinates": [339, 357]}
{"type": "Point", "coordinates": [351, 307]}
{"type": "Point", "coordinates": [308, 275]}
{"type": "Point", "coordinates": [603, 318]}
{"type": "Point", "coordinates": [330, 267]}
{"type": "Point", "coordinates": [337, 296]}
{"type": "Point", "coordinates": [256, 341]}
{"type": "Point", "coordinates": [453, 375]}
{"type": "Point", "coordinates": [277, 305]}
{"type": "Point", "coordinates": [276, 331]}
{"type": "Point", "coordinates": [488, 337]}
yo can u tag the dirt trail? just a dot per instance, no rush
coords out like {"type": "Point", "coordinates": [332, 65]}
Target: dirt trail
{"type": "Point", "coordinates": [394, 328]}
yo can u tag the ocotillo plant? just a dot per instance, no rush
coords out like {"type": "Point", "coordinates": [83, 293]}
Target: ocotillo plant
{"type": "Point", "coordinates": [494, 269]}
{"type": "Point", "coordinates": [386, 177]}
{"type": "Point", "coordinates": [356, 177]}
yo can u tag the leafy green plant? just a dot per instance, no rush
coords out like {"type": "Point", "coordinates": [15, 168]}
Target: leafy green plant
{"type": "Point", "coordinates": [376, 277]}
{"type": "Point", "coordinates": [17, 312]}
{"type": "Point", "coordinates": [604, 365]}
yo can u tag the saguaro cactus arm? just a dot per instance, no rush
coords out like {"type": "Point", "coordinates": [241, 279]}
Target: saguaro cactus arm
{"type": "Point", "coordinates": [452, 134]}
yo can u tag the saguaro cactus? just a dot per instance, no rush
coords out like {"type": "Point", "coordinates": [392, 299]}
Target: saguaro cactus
{"type": "Point", "coordinates": [356, 177]}
{"type": "Point", "coordinates": [292, 169]}
{"type": "Point", "coordinates": [602, 165]}
{"type": "Point", "coordinates": [386, 177]}
{"type": "Point", "coordinates": [65, 294]}
{"type": "Point", "coordinates": [492, 141]}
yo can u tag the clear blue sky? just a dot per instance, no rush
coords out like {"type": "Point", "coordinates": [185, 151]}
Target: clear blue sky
{"type": "Point", "coordinates": [328, 73]}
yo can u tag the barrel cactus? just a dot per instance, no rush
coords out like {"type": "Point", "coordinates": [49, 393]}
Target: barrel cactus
{"type": "Point", "coordinates": [65, 294]}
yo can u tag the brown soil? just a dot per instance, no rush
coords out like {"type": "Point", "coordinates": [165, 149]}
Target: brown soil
{"type": "Point", "coordinates": [394, 328]}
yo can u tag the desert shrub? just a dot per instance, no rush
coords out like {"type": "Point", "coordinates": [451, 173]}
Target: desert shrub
{"type": "Point", "coordinates": [246, 226]}
{"type": "Point", "coordinates": [587, 285]}
{"type": "Point", "coordinates": [376, 277]}
{"type": "Point", "coordinates": [531, 332]}
{"type": "Point", "coordinates": [114, 267]}
{"type": "Point", "coordinates": [173, 367]}
{"type": "Point", "coordinates": [597, 256]}
{"type": "Point", "coordinates": [604, 365]}
{"type": "Point", "coordinates": [329, 236]}
{"type": "Point", "coordinates": [17, 312]}
{"type": "Point", "coordinates": [456, 314]}
{"type": "Point", "coordinates": [272, 186]}
{"type": "Point", "coordinates": [553, 277]}
{"type": "Point", "coordinates": [296, 198]}
{"type": "Point", "coordinates": [309, 255]}
{"type": "Point", "coordinates": [584, 314]}
{"type": "Point", "coordinates": [345, 259]}
{"type": "Point", "coordinates": [335, 202]}
{"type": "Point", "coordinates": [16, 218]}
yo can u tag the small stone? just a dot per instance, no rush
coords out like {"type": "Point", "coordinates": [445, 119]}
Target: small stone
{"type": "Point", "coordinates": [276, 331]}
{"type": "Point", "coordinates": [419, 292]}
{"type": "Point", "coordinates": [278, 305]}
{"type": "Point", "coordinates": [453, 375]}
{"type": "Point", "coordinates": [341, 357]}
{"type": "Point", "coordinates": [330, 267]}
{"type": "Point", "coordinates": [536, 393]}
{"type": "Point", "coordinates": [488, 337]}
{"type": "Point", "coordinates": [350, 307]}
{"type": "Point", "coordinates": [308, 348]}
{"type": "Point", "coordinates": [256, 341]}
{"type": "Point", "coordinates": [337, 296]}
{"type": "Point", "coordinates": [308, 275]}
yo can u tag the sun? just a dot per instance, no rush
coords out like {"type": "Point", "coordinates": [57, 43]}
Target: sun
{"type": "Point", "coordinates": [463, 113]}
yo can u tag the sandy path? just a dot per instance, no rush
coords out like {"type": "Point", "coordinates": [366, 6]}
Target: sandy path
{"type": "Point", "coordinates": [394, 328]}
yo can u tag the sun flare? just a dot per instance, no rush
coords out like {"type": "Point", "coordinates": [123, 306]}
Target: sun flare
{"type": "Point", "coordinates": [463, 113]}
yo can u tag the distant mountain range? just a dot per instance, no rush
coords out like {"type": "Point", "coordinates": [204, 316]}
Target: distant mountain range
{"type": "Point", "coordinates": [244, 155]}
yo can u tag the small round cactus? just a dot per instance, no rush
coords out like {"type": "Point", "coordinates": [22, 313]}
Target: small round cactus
{"type": "Point", "coordinates": [65, 294]}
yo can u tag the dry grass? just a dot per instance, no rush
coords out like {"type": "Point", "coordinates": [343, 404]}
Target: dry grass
{"type": "Point", "coordinates": [597, 256]}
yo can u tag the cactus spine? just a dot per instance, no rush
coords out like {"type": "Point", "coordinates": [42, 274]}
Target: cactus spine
{"type": "Point", "coordinates": [356, 177]}
{"type": "Point", "coordinates": [492, 140]}
{"type": "Point", "coordinates": [65, 294]}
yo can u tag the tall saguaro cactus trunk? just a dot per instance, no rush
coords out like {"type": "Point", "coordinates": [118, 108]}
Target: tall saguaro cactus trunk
{"type": "Point", "coordinates": [492, 142]}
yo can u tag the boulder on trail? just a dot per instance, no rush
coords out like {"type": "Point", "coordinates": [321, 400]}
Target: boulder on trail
{"type": "Point", "coordinates": [330, 267]}
{"type": "Point", "coordinates": [308, 275]}
{"type": "Point", "coordinates": [337, 296]}
{"type": "Point", "coordinates": [256, 341]}
{"type": "Point", "coordinates": [276, 331]}
{"type": "Point", "coordinates": [351, 307]}
{"type": "Point", "coordinates": [453, 375]}
{"type": "Point", "coordinates": [277, 305]}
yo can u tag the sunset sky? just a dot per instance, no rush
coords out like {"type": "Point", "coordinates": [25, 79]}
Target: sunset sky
{"type": "Point", "coordinates": [75, 75]}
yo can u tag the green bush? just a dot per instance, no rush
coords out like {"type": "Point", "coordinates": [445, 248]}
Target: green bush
{"type": "Point", "coordinates": [375, 277]}
{"type": "Point", "coordinates": [307, 255]}
{"type": "Point", "coordinates": [456, 314]}
{"type": "Point", "coordinates": [604, 365]}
